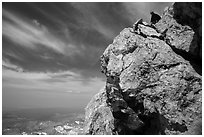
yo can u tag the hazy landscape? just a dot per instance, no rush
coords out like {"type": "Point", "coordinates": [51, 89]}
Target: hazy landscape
{"type": "Point", "coordinates": [43, 121]}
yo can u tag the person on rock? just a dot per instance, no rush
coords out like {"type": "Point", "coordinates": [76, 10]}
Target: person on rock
{"type": "Point", "coordinates": [154, 18]}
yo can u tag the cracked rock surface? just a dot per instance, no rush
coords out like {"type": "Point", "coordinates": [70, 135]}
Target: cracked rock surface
{"type": "Point", "coordinates": [151, 87]}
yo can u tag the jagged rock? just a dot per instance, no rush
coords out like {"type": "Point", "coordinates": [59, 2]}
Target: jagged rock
{"type": "Point", "coordinates": [190, 13]}
{"type": "Point", "coordinates": [98, 117]}
{"type": "Point", "coordinates": [151, 82]}
{"type": "Point", "coordinates": [182, 25]}
{"type": "Point", "coordinates": [148, 31]}
{"type": "Point", "coordinates": [151, 88]}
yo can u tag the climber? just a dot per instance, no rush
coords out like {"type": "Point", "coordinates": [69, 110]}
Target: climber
{"type": "Point", "coordinates": [155, 18]}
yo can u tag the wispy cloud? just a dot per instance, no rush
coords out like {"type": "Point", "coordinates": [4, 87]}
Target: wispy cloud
{"type": "Point", "coordinates": [31, 34]}
{"type": "Point", "coordinates": [72, 29]}
{"type": "Point", "coordinates": [8, 65]}
{"type": "Point", "coordinates": [60, 82]}
{"type": "Point", "coordinates": [91, 20]}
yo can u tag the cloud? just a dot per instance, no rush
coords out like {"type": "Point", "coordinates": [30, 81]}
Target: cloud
{"type": "Point", "coordinates": [8, 65]}
{"type": "Point", "coordinates": [90, 19]}
{"type": "Point", "coordinates": [36, 22]}
{"type": "Point", "coordinates": [59, 36]}
{"type": "Point", "coordinates": [69, 91]}
{"type": "Point", "coordinates": [74, 92]}
{"type": "Point", "coordinates": [31, 34]}
{"type": "Point", "coordinates": [59, 82]}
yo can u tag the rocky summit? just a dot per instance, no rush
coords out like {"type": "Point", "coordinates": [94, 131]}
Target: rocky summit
{"type": "Point", "coordinates": [154, 78]}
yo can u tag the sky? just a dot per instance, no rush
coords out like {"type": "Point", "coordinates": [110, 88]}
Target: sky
{"type": "Point", "coordinates": [51, 51]}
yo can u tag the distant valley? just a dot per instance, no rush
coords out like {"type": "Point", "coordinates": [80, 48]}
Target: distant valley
{"type": "Point", "coordinates": [50, 121]}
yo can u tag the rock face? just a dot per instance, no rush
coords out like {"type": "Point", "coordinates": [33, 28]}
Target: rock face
{"type": "Point", "coordinates": [153, 86]}
{"type": "Point", "coordinates": [99, 119]}
{"type": "Point", "coordinates": [182, 25]}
